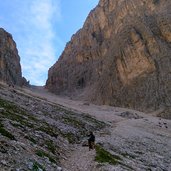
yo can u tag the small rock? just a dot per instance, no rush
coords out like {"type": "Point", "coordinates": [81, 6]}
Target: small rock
{"type": "Point", "coordinates": [30, 165]}
{"type": "Point", "coordinates": [59, 168]}
{"type": "Point", "coordinates": [3, 162]}
{"type": "Point", "coordinates": [85, 144]}
{"type": "Point", "coordinates": [47, 160]}
{"type": "Point", "coordinates": [39, 112]}
{"type": "Point", "coordinates": [2, 109]}
{"type": "Point", "coordinates": [86, 104]}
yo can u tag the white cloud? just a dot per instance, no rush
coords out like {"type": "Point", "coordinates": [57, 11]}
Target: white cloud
{"type": "Point", "coordinates": [43, 12]}
{"type": "Point", "coordinates": [37, 50]}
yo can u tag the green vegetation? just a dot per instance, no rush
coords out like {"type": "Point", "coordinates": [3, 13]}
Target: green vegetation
{"type": "Point", "coordinates": [70, 120]}
{"type": "Point", "coordinates": [15, 113]}
{"type": "Point", "coordinates": [98, 124]}
{"type": "Point", "coordinates": [103, 156]}
{"type": "Point", "coordinates": [48, 129]}
{"type": "Point", "coordinates": [37, 167]}
{"type": "Point", "coordinates": [31, 139]}
{"type": "Point", "coordinates": [50, 146]}
{"type": "Point", "coordinates": [77, 120]}
{"type": "Point", "coordinates": [5, 133]}
{"type": "Point", "coordinates": [16, 125]}
{"type": "Point", "coordinates": [10, 106]}
{"type": "Point", "coordinates": [70, 137]}
{"type": "Point", "coordinates": [42, 153]}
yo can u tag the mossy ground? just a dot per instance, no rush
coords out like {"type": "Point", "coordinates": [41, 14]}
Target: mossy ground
{"type": "Point", "coordinates": [51, 146]}
{"type": "Point", "coordinates": [103, 156]}
{"type": "Point", "coordinates": [14, 113]}
{"type": "Point", "coordinates": [42, 153]}
{"type": "Point", "coordinates": [37, 167]}
{"type": "Point", "coordinates": [6, 133]}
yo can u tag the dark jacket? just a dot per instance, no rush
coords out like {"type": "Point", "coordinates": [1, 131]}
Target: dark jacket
{"type": "Point", "coordinates": [91, 138]}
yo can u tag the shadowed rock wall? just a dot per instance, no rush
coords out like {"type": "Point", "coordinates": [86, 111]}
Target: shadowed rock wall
{"type": "Point", "coordinates": [10, 69]}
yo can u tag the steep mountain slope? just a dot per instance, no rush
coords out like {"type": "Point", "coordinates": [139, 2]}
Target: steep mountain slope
{"type": "Point", "coordinates": [41, 131]}
{"type": "Point", "coordinates": [36, 134]}
{"type": "Point", "coordinates": [10, 69]}
{"type": "Point", "coordinates": [120, 57]}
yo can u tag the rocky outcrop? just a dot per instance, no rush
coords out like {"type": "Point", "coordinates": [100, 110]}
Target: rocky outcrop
{"type": "Point", "coordinates": [120, 57]}
{"type": "Point", "coordinates": [10, 69]}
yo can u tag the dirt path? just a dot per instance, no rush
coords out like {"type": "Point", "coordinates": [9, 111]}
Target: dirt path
{"type": "Point", "coordinates": [80, 159]}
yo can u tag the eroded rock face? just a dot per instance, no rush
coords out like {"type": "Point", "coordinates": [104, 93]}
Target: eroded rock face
{"type": "Point", "coordinates": [121, 56]}
{"type": "Point", "coordinates": [10, 69]}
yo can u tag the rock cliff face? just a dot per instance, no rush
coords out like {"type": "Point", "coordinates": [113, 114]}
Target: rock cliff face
{"type": "Point", "coordinates": [10, 69]}
{"type": "Point", "coordinates": [121, 56]}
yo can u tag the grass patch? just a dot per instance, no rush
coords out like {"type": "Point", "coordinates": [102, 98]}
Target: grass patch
{"type": "Point", "coordinates": [15, 113]}
{"type": "Point", "coordinates": [69, 120]}
{"type": "Point", "coordinates": [98, 124]}
{"type": "Point", "coordinates": [49, 130]}
{"type": "Point", "coordinates": [70, 137]}
{"type": "Point", "coordinates": [31, 139]}
{"type": "Point", "coordinates": [54, 132]}
{"type": "Point", "coordinates": [127, 155]}
{"type": "Point", "coordinates": [15, 117]}
{"type": "Point", "coordinates": [5, 133]}
{"type": "Point", "coordinates": [71, 117]}
{"type": "Point", "coordinates": [103, 156]}
{"type": "Point", "coordinates": [50, 146]}
{"type": "Point", "coordinates": [16, 125]}
{"type": "Point", "coordinates": [10, 106]}
{"type": "Point", "coordinates": [42, 153]}
{"type": "Point", "coordinates": [37, 167]}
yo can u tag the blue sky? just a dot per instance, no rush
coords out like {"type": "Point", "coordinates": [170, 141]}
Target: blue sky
{"type": "Point", "coordinates": [41, 29]}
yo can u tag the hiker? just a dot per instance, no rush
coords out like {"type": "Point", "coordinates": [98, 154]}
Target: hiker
{"type": "Point", "coordinates": [91, 141]}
